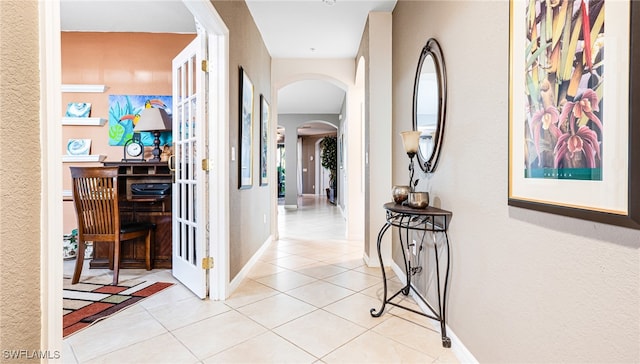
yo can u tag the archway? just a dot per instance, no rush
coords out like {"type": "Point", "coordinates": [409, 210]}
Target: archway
{"type": "Point", "coordinates": [341, 73]}
{"type": "Point", "coordinates": [306, 109]}
{"type": "Point", "coordinates": [312, 178]}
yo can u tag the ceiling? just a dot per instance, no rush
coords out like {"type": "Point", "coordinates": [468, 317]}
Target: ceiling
{"type": "Point", "coordinates": [310, 97]}
{"type": "Point", "coordinates": [290, 29]}
{"type": "Point", "coordinates": [314, 28]}
{"type": "Point", "coordinates": [150, 16]}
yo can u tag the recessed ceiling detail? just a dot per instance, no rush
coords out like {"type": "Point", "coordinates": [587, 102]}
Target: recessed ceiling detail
{"type": "Point", "coordinates": [291, 27]}
{"type": "Point", "coordinates": [310, 97]}
{"type": "Point", "coordinates": [148, 16]}
{"type": "Point", "coordinates": [316, 128]}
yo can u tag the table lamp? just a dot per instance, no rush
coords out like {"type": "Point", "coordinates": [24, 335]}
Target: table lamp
{"type": "Point", "coordinates": [410, 140]}
{"type": "Point", "coordinates": [154, 120]}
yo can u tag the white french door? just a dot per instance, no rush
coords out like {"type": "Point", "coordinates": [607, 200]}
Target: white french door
{"type": "Point", "coordinates": [190, 235]}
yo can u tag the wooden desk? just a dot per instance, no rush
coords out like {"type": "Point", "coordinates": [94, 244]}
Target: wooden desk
{"type": "Point", "coordinates": [155, 209]}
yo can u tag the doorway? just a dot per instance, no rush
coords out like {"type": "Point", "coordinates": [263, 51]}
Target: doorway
{"type": "Point", "coordinates": [207, 16]}
{"type": "Point", "coordinates": [281, 169]}
{"type": "Point", "coordinates": [310, 138]}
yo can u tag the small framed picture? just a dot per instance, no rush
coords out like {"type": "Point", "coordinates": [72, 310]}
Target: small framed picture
{"type": "Point", "coordinates": [78, 110]}
{"type": "Point", "coordinates": [264, 140]}
{"type": "Point", "coordinates": [78, 146]}
{"type": "Point", "coordinates": [246, 131]}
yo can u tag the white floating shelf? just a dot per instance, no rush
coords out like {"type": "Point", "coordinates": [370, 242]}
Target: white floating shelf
{"type": "Point", "coordinates": [83, 121]}
{"type": "Point", "coordinates": [83, 88]}
{"type": "Point", "coordinates": [84, 158]}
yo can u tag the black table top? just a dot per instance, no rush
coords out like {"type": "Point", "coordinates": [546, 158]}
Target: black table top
{"type": "Point", "coordinates": [403, 209]}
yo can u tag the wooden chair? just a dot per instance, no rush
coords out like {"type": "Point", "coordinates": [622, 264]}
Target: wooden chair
{"type": "Point", "coordinates": [95, 195]}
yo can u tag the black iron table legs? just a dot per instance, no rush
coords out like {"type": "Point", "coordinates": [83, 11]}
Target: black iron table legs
{"type": "Point", "coordinates": [384, 274]}
{"type": "Point", "coordinates": [431, 220]}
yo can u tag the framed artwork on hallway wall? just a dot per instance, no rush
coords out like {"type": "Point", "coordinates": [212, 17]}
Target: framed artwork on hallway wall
{"type": "Point", "coordinates": [245, 131]}
{"type": "Point", "coordinates": [264, 140]}
{"type": "Point", "coordinates": [573, 148]}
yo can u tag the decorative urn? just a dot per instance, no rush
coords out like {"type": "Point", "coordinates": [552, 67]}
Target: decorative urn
{"type": "Point", "coordinates": [400, 193]}
{"type": "Point", "coordinates": [418, 200]}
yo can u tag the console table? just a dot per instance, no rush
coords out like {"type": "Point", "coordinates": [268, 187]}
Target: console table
{"type": "Point", "coordinates": [429, 220]}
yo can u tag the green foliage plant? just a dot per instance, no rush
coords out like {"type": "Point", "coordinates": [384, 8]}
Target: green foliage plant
{"type": "Point", "coordinates": [329, 157]}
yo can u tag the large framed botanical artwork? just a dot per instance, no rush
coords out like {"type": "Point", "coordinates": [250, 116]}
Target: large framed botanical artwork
{"type": "Point", "coordinates": [246, 131]}
{"type": "Point", "coordinates": [574, 106]}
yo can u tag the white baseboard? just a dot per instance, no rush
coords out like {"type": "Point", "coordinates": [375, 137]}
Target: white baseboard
{"type": "Point", "coordinates": [291, 207]}
{"type": "Point", "coordinates": [366, 258]}
{"type": "Point", "coordinates": [343, 211]}
{"type": "Point", "coordinates": [235, 283]}
{"type": "Point", "coordinates": [457, 347]}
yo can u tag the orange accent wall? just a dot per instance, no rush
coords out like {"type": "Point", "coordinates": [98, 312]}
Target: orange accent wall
{"type": "Point", "coordinates": [127, 63]}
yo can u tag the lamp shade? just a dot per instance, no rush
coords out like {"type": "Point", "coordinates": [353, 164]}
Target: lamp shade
{"type": "Point", "coordinates": [153, 119]}
{"type": "Point", "coordinates": [410, 140]}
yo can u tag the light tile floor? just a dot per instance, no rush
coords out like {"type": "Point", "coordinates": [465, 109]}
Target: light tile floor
{"type": "Point", "coordinates": [307, 300]}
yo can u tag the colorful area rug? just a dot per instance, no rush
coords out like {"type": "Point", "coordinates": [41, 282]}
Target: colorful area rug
{"type": "Point", "coordinates": [86, 303]}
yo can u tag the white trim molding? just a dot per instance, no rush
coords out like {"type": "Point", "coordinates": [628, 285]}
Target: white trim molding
{"type": "Point", "coordinates": [457, 347]}
{"type": "Point", "coordinates": [50, 216]}
{"type": "Point", "coordinates": [83, 158]}
{"type": "Point", "coordinates": [83, 88]}
{"type": "Point", "coordinates": [83, 121]}
{"type": "Point", "coordinates": [237, 280]}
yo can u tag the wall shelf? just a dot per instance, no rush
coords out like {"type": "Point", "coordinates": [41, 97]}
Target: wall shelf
{"type": "Point", "coordinates": [83, 121]}
{"type": "Point", "coordinates": [83, 88]}
{"type": "Point", "coordinates": [83, 158]}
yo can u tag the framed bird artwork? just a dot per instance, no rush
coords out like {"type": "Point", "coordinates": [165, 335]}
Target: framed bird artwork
{"type": "Point", "coordinates": [124, 113]}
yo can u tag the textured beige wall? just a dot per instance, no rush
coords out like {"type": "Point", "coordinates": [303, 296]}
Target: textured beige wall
{"type": "Point", "coordinates": [526, 286]}
{"type": "Point", "coordinates": [20, 177]}
{"type": "Point", "coordinates": [248, 208]}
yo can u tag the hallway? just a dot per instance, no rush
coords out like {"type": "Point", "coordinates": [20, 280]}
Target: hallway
{"type": "Point", "coordinates": [307, 300]}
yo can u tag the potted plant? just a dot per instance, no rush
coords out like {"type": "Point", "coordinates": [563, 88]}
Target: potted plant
{"type": "Point", "coordinates": [70, 245]}
{"type": "Point", "coordinates": [329, 160]}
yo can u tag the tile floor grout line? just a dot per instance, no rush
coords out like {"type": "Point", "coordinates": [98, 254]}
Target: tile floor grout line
{"type": "Point", "coordinates": [131, 345]}
{"type": "Point", "coordinates": [291, 342]}
{"type": "Point", "coordinates": [323, 358]}
{"type": "Point", "coordinates": [73, 352]}
{"type": "Point", "coordinates": [345, 260]}
{"type": "Point", "coordinates": [171, 332]}
{"type": "Point", "coordinates": [268, 330]}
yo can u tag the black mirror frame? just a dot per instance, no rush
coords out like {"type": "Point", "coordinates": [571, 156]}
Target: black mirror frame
{"type": "Point", "coordinates": [432, 48]}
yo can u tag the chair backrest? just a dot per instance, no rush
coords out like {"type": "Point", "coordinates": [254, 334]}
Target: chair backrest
{"type": "Point", "coordinates": [95, 195]}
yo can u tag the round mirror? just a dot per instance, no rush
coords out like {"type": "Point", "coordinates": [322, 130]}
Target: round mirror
{"type": "Point", "coordinates": [429, 100]}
